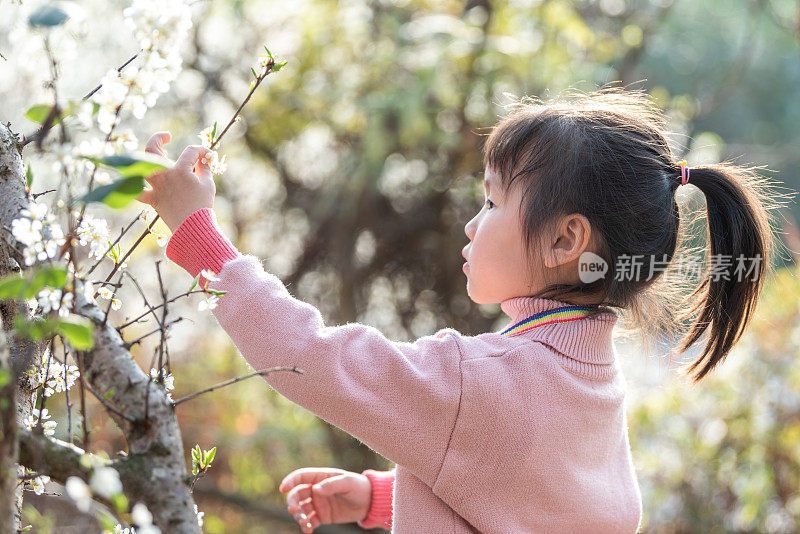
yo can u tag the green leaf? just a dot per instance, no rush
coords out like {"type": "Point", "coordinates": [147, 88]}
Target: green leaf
{"type": "Point", "coordinates": [36, 329]}
{"type": "Point", "coordinates": [278, 66]}
{"type": "Point", "coordinates": [117, 194]}
{"type": "Point", "coordinates": [47, 16]}
{"type": "Point", "coordinates": [106, 520]}
{"type": "Point", "coordinates": [209, 456]}
{"type": "Point", "coordinates": [254, 72]}
{"type": "Point", "coordinates": [47, 275]}
{"type": "Point", "coordinates": [79, 335]}
{"type": "Point", "coordinates": [29, 175]}
{"type": "Point", "coordinates": [12, 286]}
{"type": "Point", "coordinates": [39, 113]}
{"type": "Point", "coordinates": [268, 52]}
{"type": "Point", "coordinates": [141, 164]}
{"type": "Point", "coordinates": [214, 131]}
{"type": "Point", "coordinates": [109, 393]}
{"type": "Point", "coordinates": [133, 169]}
{"type": "Point", "coordinates": [120, 502]}
{"type": "Point", "coordinates": [217, 292]}
{"type": "Point", "coordinates": [194, 282]}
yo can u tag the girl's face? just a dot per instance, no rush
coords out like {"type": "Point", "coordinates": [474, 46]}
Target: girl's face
{"type": "Point", "coordinates": [496, 267]}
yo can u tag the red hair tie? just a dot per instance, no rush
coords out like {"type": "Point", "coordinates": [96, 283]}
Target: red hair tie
{"type": "Point", "coordinates": [684, 172]}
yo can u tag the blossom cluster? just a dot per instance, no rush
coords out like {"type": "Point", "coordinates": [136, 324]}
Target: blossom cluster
{"type": "Point", "coordinates": [93, 231]}
{"type": "Point", "coordinates": [48, 427]}
{"type": "Point", "coordinates": [39, 231]}
{"type": "Point", "coordinates": [57, 377]}
{"type": "Point", "coordinates": [36, 484]}
{"type": "Point", "coordinates": [167, 378]}
{"type": "Point", "coordinates": [160, 28]}
{"type": "Point", "coordinates": [216, 165]}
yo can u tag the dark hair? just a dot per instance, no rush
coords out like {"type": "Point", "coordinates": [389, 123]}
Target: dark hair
{"type": "Point", "coordinates": [605, 155]}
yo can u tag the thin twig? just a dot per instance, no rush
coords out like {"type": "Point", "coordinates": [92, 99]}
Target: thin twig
{"type": "Point", "coordinates": [122, 233]}
{"type": "Point", "coordinates": [79, 359]}
{"type": "Point", "coordinates": [144, 297]}
{"type": "Point", "coordinates": [133, 247]}
{"type": "Point", "coordinates": [130, 344]}
{"type": "Point", "coordinates": [152, 308]}
{"type": "Point", "coordinates": [294, 369]}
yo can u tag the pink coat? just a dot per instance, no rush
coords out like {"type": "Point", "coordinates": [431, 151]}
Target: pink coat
{"type": "Point", "coordinates": [489, 433]}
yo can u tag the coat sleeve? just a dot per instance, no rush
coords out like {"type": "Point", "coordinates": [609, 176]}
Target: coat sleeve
{"type": "Point", "coordinates": [380, 512]}
{"type": "Point", "coordinates": [401, 399]}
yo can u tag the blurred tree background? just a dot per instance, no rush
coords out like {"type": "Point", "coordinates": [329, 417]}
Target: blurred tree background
{"type": "Point", "coordinates": [354, 170]}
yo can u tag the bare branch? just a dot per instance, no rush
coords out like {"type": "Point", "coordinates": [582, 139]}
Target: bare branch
{"type": "Point", "coordinates": [294, 369]}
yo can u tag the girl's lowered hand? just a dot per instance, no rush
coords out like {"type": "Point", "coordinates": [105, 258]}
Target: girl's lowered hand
{"type": "Point", "coordinates": [322, 495]}
{"type": "Point", "coordinates": [184, 187]}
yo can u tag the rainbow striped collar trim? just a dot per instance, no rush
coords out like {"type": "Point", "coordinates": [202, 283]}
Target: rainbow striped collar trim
{"type": "Point", "coordinates": [556, 315]}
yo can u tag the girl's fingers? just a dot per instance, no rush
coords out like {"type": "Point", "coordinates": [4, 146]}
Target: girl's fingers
{"type": "Point", "coordinates": [299, 493]}
{"type": "Point", "coordinates": [146, 197]}
{"type": "Point", "coordinates": [189, 157]}
{"type": "Point", "coordinates": [306, 506]}
{"type": "Point", "coordinates": [313, 519]}
{"type": "Point", "coordinates": [309, 475]}
{"type": "Point", "coordinates": [156, 142]}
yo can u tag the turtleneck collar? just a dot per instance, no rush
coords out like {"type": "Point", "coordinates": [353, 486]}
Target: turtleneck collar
{"type": "Point", "coordinates": [588, 340]}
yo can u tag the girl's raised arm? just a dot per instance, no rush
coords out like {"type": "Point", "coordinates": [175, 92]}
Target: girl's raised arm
{"type": "Point", "coordinates": [401, 399]}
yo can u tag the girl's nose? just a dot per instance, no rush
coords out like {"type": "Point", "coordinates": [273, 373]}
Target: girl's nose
{"type": "Point", "coordinates": [469, 228]}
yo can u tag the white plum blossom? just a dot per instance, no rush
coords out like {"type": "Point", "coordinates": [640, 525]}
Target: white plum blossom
{"type": "Point", "coordinates": [79, 492]}
{"type": "Point", "coordinates": [125, 140]}
{"type": "Point", "coordinates": [168, 378]}
{"type": "Point", "coordinates": [143, 519]}
{"type": "Point", "coordinates": [37, 484]}
{"type": "Point", "coordinates": [106, 293]}
{"type": "Point", "coordinates": [209, 275]}
{"type": "Point", "coordinates": [199, 516]}
{"type": "Point", "coordinates": [60, 377]}
{"type": "Point", "coordinates": [160, 28]}
{"type": "Point", "coordinates": [205, 137]}
{"type": "Point", "coordinates": [105, 481]}
{"type": "Point", "coordinates": [49, 299]}
{"type": "Point", "coordinates": [208, 303]}
{"type": "Point", "coordinates": [263, 63]}
{"type": "Point", "coordinates": [216, 165]}
{"type": "Point", "coordinates": [39, 231]}
{"type": "Point", "coordinates": [88, 289]}
{"type": "Point", "coordinates": [48, 427]}
{"type": "Point", "coordinates": [93, 231]}
{"type": "Point", "coordinates": [119, 530]}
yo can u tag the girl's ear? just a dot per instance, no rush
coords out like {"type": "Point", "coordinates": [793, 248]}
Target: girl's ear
{"type": "Point", "coordinates": [572, 237]}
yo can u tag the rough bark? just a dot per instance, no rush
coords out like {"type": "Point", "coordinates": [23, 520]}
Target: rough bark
{"type": "Point", "coordinates": [154, 472]}
{"type": "Point", "coordinates": [16, 396]}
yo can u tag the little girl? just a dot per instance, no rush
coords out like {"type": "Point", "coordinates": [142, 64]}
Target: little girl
{"type": "Point", "coordinates": [522, 430]}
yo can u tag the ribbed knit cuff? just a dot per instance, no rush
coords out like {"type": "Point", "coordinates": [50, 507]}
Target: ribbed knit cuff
{"type": "Point", "coordinates": [198, 244]}
{"type": "Point", "coordinates": [380, 509]}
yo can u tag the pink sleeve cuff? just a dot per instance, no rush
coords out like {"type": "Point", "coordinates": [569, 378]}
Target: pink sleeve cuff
{"type": "Point", "coordinates": [198, 244]}
{"type": "Point", "coordinates": [380, 509]}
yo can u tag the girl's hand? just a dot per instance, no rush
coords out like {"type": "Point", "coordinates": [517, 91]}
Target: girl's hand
{"type": "Point", "coordinates": [322, 495]}
{"type": "Point", "coordinates": [183, 188]}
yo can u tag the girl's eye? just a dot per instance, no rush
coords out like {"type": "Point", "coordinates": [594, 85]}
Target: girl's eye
{"type": "Point", "coordinates": [489, 202]}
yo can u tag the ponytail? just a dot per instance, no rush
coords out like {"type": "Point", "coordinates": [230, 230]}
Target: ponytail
{"type": "Point", "coordinates": [739, 235]}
